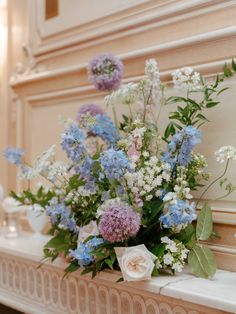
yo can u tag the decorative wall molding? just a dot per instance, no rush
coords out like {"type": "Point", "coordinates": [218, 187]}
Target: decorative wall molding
{"type": "Point", "coordinates": [133, 20]}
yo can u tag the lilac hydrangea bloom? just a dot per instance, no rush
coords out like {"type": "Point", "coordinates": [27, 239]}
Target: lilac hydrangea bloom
{"type": "Point", "coordinates": [178, 215]}
{"type": "Point", "coordinates": [119, 222]}
{"type": "Point", "coordinates": [105, 128]}
{"type": "Point", "coordinates": [83, 253]}
{"type": "Point", "coordinates": [90, 109]}
{"type": "Point", "coordinates": [60, 214]}
{"type": "Point", "coordinates": [105, 72]}
{"type": "Point", "coordinates": [181, 146]}
{"type": "Point", "coordinates": [114, 163]}
{"type": "Point", "coordinates": [14, 155]}
{"type": "Point", "coordinates": [72, 142]}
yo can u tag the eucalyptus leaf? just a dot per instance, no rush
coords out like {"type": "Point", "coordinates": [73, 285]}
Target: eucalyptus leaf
{"type": "Point", "coordinates": [202, 262]}
{"type": "Point", "coordinates": [204, 223]}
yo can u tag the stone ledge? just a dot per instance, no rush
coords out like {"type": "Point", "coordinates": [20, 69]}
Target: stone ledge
{"type": "Point", "coordinates": [34, 290]}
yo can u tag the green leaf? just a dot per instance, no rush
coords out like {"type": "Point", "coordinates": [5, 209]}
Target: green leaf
{"type": "Point", "coordinates": [227, 71]}
{"type": "Point", "coordinates": [72, 267]}
{"type": "Point", "coordinates": [204, 223]}
{"type": "Point", "coordinates": [109, 263]}
{"type": "Point", "coordinates": [159, 249]}
{"type": "Point", "coordinates": [120, 280]}
{"type": "Point", "coordinates": [212, 104]}
{"type": "Point", "coordinates": [202, 262]}
{"type": "Point", "coordinates": [233, 65]}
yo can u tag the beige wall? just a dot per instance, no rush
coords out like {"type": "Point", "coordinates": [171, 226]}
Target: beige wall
{"type": "Point", "coordinates": [53, 78]}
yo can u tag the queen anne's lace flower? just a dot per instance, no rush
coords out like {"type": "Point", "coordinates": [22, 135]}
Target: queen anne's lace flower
{"type": "Point", "coordinates": [186, 78]}
{"type": "Point", "coordinates": [118, 223]}
{"type": "Point", "coordinates": [225, 153]}
{"type": "Point", "coordinates": [105, 72]}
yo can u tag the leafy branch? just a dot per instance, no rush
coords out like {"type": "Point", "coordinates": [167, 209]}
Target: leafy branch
{"type": "Point", "coordinates": [192, 112]}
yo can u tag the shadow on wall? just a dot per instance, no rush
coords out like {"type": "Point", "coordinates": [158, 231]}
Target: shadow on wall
{"type": "Point", "coordinates": [7, 310]}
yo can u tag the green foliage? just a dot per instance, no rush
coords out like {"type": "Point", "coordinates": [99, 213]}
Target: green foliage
{"type": "Point", "coordinates": [202, 262]}
{"type": "Point", "coordinates": [191, 111]}
{"type": "Point", "coordinates": [27, 197]}
{"type": "Point", "coordinates": [188, 236]}
{"type": "Point", "coordinates": [204, 223]}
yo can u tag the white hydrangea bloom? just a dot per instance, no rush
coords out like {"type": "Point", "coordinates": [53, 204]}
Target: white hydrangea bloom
{"type": "Point", "coordinates": [225, 153]}
{"type": "Point", "coordinates": [186, 78]}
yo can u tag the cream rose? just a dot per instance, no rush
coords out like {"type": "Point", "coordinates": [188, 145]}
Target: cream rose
{"type": "Point", "coordinates": [88, 230]}
{"type": "Point", "coordinates": [136, 262]}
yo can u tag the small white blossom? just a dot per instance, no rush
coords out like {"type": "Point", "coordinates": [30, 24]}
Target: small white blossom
{"type": "Point", "coordinates": [177, 267]}
{"type": "Point", "coordinates": [168, 259]}
{"type": "Point", "coordinates": [225, 153]}
{"type": "Point", "coordinates": [186, 78]}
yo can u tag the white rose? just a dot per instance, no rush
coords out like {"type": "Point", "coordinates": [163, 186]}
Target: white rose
{"type": "Point", "coordinates": [136, 262]}
{"type": "Point", "coordinates": [88, 230]}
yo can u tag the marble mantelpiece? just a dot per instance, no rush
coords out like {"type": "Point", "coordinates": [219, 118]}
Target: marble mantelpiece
{"type": "Point", "coordinates": [41, 290]}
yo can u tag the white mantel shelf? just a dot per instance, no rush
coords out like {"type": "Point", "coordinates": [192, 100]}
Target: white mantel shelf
{"type": "Point", "coordinates": [34, 290]}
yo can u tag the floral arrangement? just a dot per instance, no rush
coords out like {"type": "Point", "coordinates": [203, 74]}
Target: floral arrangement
{"type": "Point", "coordinates": [123, 201]}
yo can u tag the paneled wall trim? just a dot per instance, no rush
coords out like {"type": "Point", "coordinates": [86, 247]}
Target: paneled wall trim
{"type": "Point", "coordinates": [176, 32]}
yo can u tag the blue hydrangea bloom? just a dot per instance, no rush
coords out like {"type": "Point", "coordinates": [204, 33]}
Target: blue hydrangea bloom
{"type": "Point", "coordinates": [178, 215]}
{"type": "Point", "coordinates": [114, 163]}
{"type": "Point", "coordinates": [180, 147]}
{"type": "Point", "coordinates": [72, 142]}
{"type": "Point", "coordinates": [14, 155]}
{"type": "Point", "coordinates": [105, 128]}
{"type": "Point", "coordinates": [83, 253]}
{"type": "Point", "coordinates": [60, 214]}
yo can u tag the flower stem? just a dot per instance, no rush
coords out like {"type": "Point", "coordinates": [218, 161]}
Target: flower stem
{"type": "Point", "coordinates": [213, 182]}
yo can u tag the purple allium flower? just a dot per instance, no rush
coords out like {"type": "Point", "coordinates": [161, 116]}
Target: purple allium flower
{"type": "Point", "coordinates": [91, 109]}
{"type": "Point", "coordinates": [105, 72]}
{"type": "Point", "coordinates": [14, 155]}
{"type": "Point", "coordinates": [119, 222]}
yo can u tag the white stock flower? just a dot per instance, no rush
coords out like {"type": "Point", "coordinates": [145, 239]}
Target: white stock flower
{"type": "Point", "coordinates": [185, 78]}
{"type": "Point", "coordinates": [225, 153]}
{"type": "Point", "coordinates": [136, 262]}
{"type": "Point", "coordinates": [90, 229]}
{"type": "Point", "coordinates": [152, 72]}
